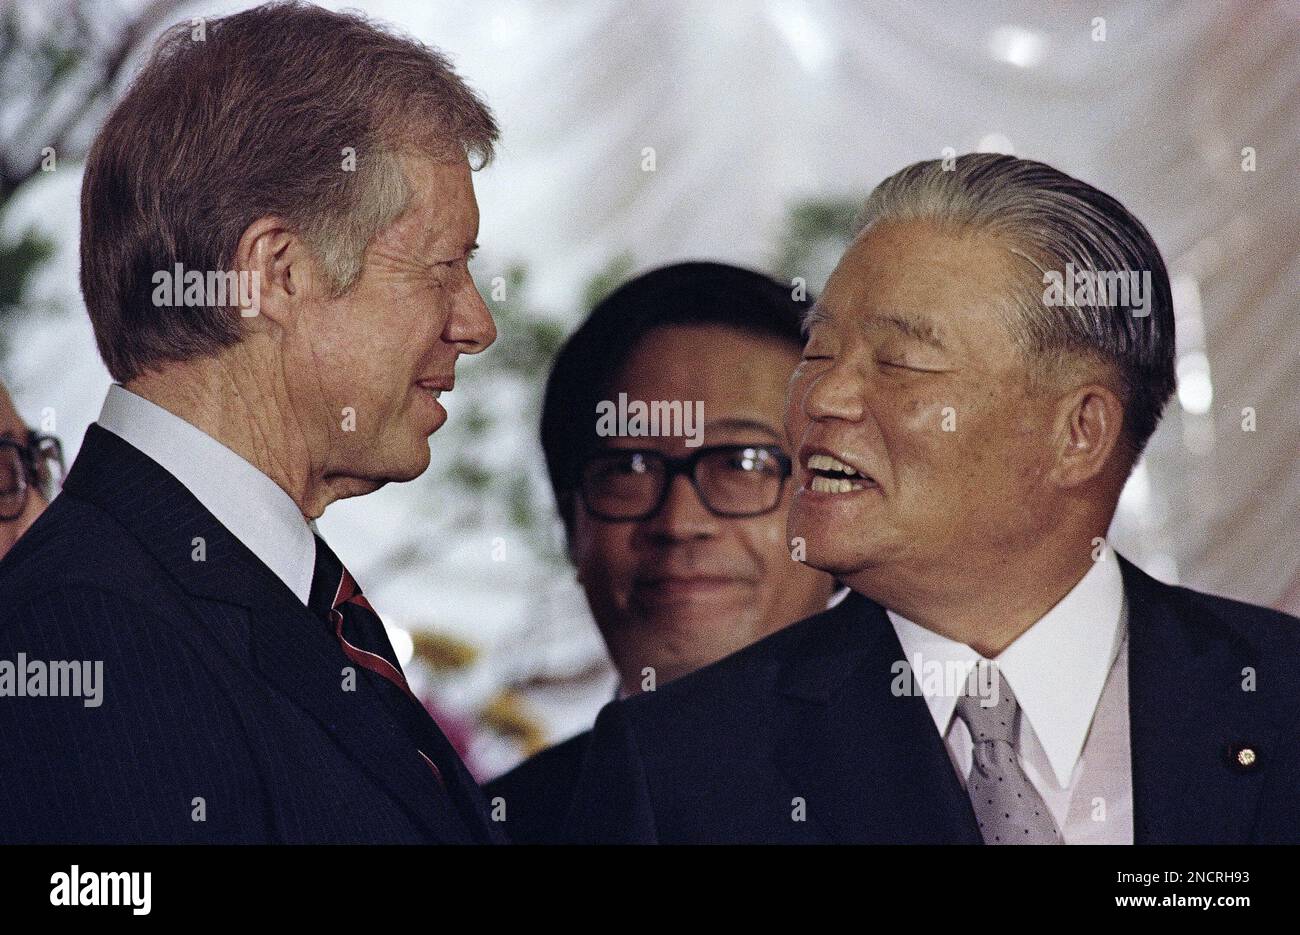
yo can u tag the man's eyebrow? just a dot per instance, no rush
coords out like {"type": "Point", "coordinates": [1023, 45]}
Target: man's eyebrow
{"type": "Point", "coordinates": [915, 328]}
{"type": "Point", "coordinates": [818, 315]}
{"type": "Point", "coordinates": [742, 425]}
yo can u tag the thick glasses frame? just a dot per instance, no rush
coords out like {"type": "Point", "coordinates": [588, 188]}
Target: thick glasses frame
{"type": "Point", "coordinates": [688, 466]}
{"type": "Point", "coordinates": [33, 454]}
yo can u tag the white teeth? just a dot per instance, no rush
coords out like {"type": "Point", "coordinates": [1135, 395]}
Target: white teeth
{"type": "Point", "coordinates": [437, 394]}
{"type": "Point", "coordinates": [827, 463]}
{"type": "Point", "coordinates": [828, 485]}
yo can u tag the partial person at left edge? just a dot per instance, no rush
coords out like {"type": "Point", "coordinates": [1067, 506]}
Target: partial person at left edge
{"type": "Point", "coordinates": [197, 665]}
{"type": "Point", "coordinates": [31, 472]}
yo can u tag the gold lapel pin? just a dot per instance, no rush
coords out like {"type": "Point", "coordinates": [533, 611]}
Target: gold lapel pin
{"type": "Point", "coordinates": [1244, 756]}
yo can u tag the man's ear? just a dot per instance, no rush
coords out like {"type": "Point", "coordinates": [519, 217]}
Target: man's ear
{"type": "Point", "coordinates": [1090, 420]}
{"type": "Point", "coordinates": [283, 268]}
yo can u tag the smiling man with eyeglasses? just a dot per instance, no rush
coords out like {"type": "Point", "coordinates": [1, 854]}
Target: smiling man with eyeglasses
{"type": "Point", "coordinates": [31, 470]}
{"type": "Point", "coordinates": [680, 546]}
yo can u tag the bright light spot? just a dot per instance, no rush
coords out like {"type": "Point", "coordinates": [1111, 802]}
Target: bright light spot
{"type": "Point", "coordinates": [995, 143]}
{"type": "Point", "coordinates": [806, 38]}
{"type": "Point", "coordinates": [1195, 388]}
{"type": "Point", "coordinates": [403, 645]}
{"type": "Point", "coordinates": [1017, 45]}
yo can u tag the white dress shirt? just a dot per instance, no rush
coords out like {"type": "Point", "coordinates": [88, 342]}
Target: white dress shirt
{"type": "Point", "coordinates": [1069, 673]}
{"type": "Point", "coordinates": [253, 507]}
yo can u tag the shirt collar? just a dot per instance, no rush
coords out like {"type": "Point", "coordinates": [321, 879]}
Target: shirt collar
{"type": "Point", "coordinates": [1057, 668]}
{"type": "Point", "coordinates": [255, 509]}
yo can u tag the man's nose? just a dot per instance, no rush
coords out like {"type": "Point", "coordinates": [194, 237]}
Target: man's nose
{"type": "Point", "coordinates": [837, 393]}
{"type": "Point", "coordinates": [470, 326]}
{"type": "Point", "coordinates": [683, 516]}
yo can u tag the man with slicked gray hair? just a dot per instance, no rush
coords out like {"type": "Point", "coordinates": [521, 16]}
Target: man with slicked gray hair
{"type": "Point", "coordinates": [985, 366]}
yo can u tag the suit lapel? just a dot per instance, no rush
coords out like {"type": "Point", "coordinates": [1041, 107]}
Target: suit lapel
{"type": "Point", "coordinates": [869, 763]}
{"type": "Point", "coordinates": [873, 768]}
{"type": "Point", "coordinates": [291, 648]}
{"type": "Point", "coordinates": [464, 790]}
{"type": "Point", "coordinates": [296, 654]}
{"type": "Point", "coordinates": [1188, 716]}
{"type": "Point", "coordinates": [458, 783]}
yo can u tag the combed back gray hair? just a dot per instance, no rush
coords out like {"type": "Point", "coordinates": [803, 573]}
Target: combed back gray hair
{"type": "Point", "coordinates": [1051, 220]}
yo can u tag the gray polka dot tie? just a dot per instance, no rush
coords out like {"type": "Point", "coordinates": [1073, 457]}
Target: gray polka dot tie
{"type": "Point", "coordinates": [1008, 807]}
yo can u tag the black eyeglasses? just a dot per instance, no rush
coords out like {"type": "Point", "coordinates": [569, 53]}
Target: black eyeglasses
{"type": "Point", "coordinates": [36, 462]}
{"type": "Point", "coordinates": [619, 485]}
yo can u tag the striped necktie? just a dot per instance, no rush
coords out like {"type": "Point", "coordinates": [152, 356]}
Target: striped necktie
{"type": "Point", "coordinates": [336, 597]}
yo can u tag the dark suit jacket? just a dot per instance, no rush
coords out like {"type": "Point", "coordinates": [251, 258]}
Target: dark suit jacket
{"type": "Point", "coordinates": [222, 694]}
{"type": "Point", "coordinates": [806, 719]}
{"type": "Point", "coordinates": [537, 793]}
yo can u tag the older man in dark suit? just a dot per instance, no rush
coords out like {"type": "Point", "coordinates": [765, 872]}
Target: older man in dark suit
{"type": "Point", "coordinates": [276, 225]}
{"type": "Point", "coordinates": [984, 368]}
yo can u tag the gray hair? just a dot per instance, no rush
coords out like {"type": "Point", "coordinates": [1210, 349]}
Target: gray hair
{"type": "Point", "coordinates": [284, 110]}
{"type": "Point", "coordinates": [1056, 223]}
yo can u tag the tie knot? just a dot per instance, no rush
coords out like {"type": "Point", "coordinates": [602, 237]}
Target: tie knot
{"type": "Point", "coordinates": [991, 713]}
{"type": "Point", "coordinates": [348, 590]}
{"type": "Point", "coordinates": [332, 585]}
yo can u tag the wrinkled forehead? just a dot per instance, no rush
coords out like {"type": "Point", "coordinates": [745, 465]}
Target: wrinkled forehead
{"type": "Point", "coordinates": [442, 212]}
{"type": "Point", "coordinates": [934, 285]}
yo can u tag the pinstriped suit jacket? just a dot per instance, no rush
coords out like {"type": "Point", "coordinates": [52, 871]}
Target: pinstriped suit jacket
{"type": "Point", "coordinates": [224, 716]}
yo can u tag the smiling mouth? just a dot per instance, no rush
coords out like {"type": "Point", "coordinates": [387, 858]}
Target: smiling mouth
{"type": "Point", "coordinates": [832, 476]}
{"type": "Point", "coordinates": [434, 390]}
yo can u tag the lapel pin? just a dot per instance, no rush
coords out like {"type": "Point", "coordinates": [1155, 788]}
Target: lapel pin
{"type": "Point", "coordinates": [1244, 756]}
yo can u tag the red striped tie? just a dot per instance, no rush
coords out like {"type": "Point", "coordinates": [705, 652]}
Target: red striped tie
{"type": "Point", "coordinates": [349, 593]}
